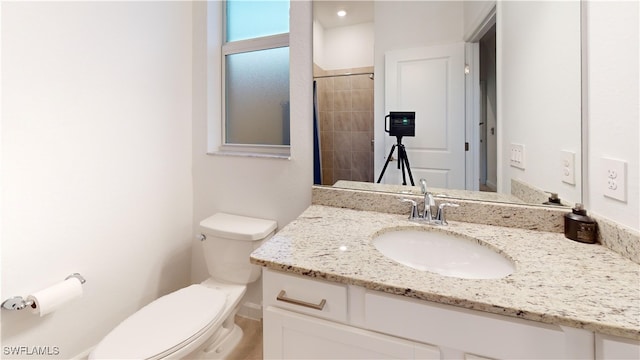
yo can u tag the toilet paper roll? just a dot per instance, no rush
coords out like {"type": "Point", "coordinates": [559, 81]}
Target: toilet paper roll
{"type": "Point", "coordinates": [50, 299]}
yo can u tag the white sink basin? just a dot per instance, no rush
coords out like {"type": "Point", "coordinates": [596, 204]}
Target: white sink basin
{"type": "Point", "coordinates": [444, 254]}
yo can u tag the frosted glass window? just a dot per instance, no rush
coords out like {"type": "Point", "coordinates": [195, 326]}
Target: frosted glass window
{"type": "Point", "coordinates": [257, 97]}
{"type": "Point", "coordinates": [252, 19]}
{"type": "Point", "coordinates": [256, 76]}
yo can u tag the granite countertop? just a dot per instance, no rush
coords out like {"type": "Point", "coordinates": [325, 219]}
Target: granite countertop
{"type": "Point", "coordinates": [557, 281]}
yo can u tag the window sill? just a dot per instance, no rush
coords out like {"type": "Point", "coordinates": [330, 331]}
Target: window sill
{"type": "Point", "coordinates": [250, 154]}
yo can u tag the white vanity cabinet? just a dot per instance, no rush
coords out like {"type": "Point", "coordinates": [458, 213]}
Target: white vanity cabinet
{"type": "Point", "coordinates": [356, 323]}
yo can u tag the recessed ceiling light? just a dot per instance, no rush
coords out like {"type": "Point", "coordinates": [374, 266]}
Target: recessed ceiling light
{"type": "Point", "coordinates": [342, 13]}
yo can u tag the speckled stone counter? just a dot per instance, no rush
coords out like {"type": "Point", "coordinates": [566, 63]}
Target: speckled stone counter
{"type": "Point", "coordinates": [557, 281]}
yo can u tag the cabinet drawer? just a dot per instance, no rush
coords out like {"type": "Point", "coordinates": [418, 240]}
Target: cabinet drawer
{"type": "Point", "coordinates": [303, 295]}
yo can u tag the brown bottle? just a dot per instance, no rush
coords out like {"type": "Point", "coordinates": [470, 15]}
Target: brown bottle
{"type": "Point", "coordinates": [580, 227]}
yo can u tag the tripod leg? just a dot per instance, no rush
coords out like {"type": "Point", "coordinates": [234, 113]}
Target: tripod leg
{"type": "Point", "coordinates": [405, 160]}
{"type": "Point", "coordinates": [401, 160]}
{"type": "Point", "coordinates": [386, 163]}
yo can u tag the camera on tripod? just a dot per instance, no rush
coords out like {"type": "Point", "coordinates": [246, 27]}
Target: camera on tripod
{"type": "Point", "coordinates": [401, 123]}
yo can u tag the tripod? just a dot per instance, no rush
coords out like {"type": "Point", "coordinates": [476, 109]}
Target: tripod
{"type": "Point", "coordinates": [403, 161]}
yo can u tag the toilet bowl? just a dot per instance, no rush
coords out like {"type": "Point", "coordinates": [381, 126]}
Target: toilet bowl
{"type": "Point", "coordinates": [196, 322]}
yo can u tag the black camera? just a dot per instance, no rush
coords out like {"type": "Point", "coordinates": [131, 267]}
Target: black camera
{"type": "Point", "coordinates": [401, 123]}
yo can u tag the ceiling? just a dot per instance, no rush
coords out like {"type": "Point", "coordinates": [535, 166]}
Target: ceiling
{"type": "Point", "coordinates": [324, 11]}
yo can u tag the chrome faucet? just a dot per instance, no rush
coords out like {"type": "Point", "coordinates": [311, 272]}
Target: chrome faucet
{"type": "Point", "coordinates": [428, 200]}
{"type": "Point", "coordinates": [429, 203]}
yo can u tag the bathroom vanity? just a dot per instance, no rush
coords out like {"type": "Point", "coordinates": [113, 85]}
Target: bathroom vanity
{"type": "Point", "coordinates": [329, 293]}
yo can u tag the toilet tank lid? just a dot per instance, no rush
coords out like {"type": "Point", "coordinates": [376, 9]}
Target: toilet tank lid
{"type": "Point", "coordinates": [237, 227]}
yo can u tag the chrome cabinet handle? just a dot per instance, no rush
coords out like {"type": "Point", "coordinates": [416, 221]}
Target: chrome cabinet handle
{"type": "Point", "coordinates": [282, 296]}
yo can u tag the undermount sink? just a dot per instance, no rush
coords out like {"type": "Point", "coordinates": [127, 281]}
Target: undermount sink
{"type": "Point", "coordinates": [443, 253]}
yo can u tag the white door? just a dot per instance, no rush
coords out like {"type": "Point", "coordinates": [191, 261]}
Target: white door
{"type": "Point", "coordinates": [429, 81]}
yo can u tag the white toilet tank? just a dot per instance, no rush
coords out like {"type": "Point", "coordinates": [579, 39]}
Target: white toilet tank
{"type": "Point", "coordinates": [230, 239]}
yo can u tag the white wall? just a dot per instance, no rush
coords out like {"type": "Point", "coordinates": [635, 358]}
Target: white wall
{"type": "Point", "coordinates": [348, 47]}
{"type": "Point", "coordinates": [613, 105]}
{"type": "Point", "coordinates": [318, 44]}
{"type": "Point", "coordinates": [275, 189]}
{"type": "Point", "coordinates": [539, 55]}
{"type": "Point", "coordinates": [611, 113]}
{"type": "Point", "coordinates": [96, 160]}
{"type": "Point", "coordinates": [474, 15]}
{"type": "Point", "coordinates": [408, 24]}
{"type": "Point", "coordinates": [343, 47]}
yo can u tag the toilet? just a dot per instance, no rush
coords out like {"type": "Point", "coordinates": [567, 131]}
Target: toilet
{"type": "Point", "coordinates": [196, 322]}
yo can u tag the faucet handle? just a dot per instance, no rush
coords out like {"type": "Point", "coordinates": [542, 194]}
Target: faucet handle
{"type": "Point", "coordinates": [440, 216]}
{"type": "Point", "coordinates": [414, 209]}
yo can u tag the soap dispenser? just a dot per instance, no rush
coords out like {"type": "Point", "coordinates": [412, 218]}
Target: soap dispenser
{"type": "Point", "coordinates": [553, 200]}
{"type": "Point", "coordinates": [580, 227]}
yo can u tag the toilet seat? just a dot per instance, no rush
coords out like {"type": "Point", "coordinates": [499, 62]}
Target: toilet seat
{"type": "Point", "coordinates": [163, 326]}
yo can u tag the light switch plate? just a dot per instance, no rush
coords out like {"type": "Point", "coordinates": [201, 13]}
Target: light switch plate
{"type": "Point", "coordinates": [615, 179]}
{"type": "Point", "coordinates": [568, 167]}
{"type": "Point", "coordinates": [516, 156]}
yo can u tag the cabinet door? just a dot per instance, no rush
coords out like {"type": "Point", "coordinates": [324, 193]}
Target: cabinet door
{"type": "Point", "coordinates": [473, 332]}
{"type": "Point", "coordinates": [289, 335]}
{"type": "Point", "coordinates": [611, 347]}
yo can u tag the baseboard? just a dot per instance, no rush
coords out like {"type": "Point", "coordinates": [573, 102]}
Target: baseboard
{"type": "Point", "coordinates": [250, 310]}
{"type": "Point", "coordinates": [491, 185]}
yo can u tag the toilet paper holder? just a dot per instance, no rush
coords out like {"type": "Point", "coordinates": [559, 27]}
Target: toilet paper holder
{"type": "Point", "coordinates": [19, 303]}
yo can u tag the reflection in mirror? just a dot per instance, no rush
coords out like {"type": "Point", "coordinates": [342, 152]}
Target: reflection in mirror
{"type": "Point", "coordinates": [506, 128]}
{"type": "Point", "coordinates": [344, 87]}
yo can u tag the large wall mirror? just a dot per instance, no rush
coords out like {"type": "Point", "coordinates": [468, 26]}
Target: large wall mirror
{"type": "Point", "coordinates": [495, 87]}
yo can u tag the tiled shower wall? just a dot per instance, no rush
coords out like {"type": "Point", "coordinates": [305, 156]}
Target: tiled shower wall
{"type": "Point", "coordinates": [345, 106]}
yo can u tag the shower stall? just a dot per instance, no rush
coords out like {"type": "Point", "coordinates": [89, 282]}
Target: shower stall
{"type": "Point", "coordinates": [343, 117]}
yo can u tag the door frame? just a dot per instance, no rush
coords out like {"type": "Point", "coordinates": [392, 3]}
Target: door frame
{"type": "Point", "coordinates": [473, 96]}
{"type": "Point", "coordinates": [472, 115]}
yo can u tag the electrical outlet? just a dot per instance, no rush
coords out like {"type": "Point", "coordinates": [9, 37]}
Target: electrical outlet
{"type": "Point", "coordinates": [568, 167]}
{"type": "Point", "coordinates": [517, 156]}
{"type": "Point", "coordinates": [615, 185]}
